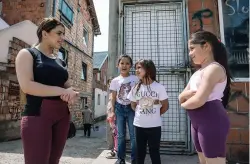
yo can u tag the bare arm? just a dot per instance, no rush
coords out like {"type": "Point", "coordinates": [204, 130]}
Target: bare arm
{"type": "Point", "coordinates": [133, 105]}
{"type": "Point", "coordinates": [164, 107]}
{"type": "Point", "coordinates": [210, 78]}
{"type": "Point", "coordinates": [113, 99]}
{"type": "Point", "coordinates": [182, 96]}
{"type": "Point", "coordinates": [24, 71]}
{"type": "Point", "coordinates": [67, 84]}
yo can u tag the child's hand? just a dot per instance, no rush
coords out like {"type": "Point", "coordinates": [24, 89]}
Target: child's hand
{"type": "Point", "coordinates": [112, 115]}
{"type": "Point", "coordinates": [112, 125]}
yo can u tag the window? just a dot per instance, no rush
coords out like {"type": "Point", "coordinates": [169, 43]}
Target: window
{"type": "Point", "coordinates": [105, 100]}
{"type": "Point", "coordinates": [66, 11]}
{"type": "Point", "coordinates": [98, 99]}
{"type": "Point", "coordinates": [84, 71]}
{"type": "Point", "coordinates": [98, 76]}
{"type": "Point", "coordinates": [62, 54]}
{"type": "Point", "coordinates": [85, 37]}
{"type": "Point", "coordinates": [234, 17]}
{"type": "Point", "coordinates": [83, 102]}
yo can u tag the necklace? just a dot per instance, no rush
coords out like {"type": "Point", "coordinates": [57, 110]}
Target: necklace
{"type": "Point", "coordinates": [52, 56]}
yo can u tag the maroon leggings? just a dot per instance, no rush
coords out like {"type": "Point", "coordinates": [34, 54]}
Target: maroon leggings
{"type": "Point", "coordinates": [44, 136]}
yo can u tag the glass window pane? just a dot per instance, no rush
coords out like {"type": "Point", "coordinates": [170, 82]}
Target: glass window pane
{"type": "Point", "coordinates": [67, 12]}
{"type": "Point", "coordinates": [236, 31]}
{"type": "Point", "coordinates": [60, 55]}
{"type": "Point", "coordinates": [64, 7]}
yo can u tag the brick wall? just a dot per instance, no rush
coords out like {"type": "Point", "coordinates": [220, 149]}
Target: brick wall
{"type": "Point", "coordinates": [238, 110]}
{"type": "Point", "coordinates": [76, 58]}
{"type": "Point", "coordinates": [11, 98]}
{"type": "Point", "coordinates": [82, 19]}
{"type": "Point", "coordinates": [15, 11]}
{"type": "Point", "coordinates": [211, 23]}
{"type": "Point", "coordinates": [78, 52]}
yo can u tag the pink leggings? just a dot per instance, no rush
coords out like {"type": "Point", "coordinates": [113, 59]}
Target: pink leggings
{"type": "Point", "coordinates": [44, 136]}
{"type": "Point", "coordinates": [115, 139]}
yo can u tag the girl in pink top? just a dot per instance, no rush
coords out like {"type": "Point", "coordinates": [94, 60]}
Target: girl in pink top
{"type": "Point", "coordinates": [111, 120]}
{"type": "Point", "coordinates": [206, 96]}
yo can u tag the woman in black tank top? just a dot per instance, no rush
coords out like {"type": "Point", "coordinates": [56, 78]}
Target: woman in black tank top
{"type": "Point", "coordinates": [44, 79]}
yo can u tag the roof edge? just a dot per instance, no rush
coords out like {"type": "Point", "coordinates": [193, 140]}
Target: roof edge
{"type": "Point", "coordinates": [94, 18]}
{"type": "Point", "coordinates": [103, 61]}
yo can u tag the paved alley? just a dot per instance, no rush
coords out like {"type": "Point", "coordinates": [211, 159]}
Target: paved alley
{"type": "Point", "coordinates": [78, 150]}
{"type": "Point", "coordinates": [81, 150]}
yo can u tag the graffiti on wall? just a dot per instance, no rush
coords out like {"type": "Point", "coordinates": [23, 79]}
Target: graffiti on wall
{"type": "Point", "coordinates": [236, 7]}
{"type": "Point", "coordinates": [198, 19]}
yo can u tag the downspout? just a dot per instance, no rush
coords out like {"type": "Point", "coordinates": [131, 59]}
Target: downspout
{"type": "Point", "coordinates": [113, 36]}
{"type": "Point", "coordinates": [48, 8]}
{"type": "Point", "coordinates": [54, 8]}
{"type": "Point", "coordinates": [92, 53]}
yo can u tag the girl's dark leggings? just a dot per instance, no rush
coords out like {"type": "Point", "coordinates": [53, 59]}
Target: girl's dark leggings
{"type": "Point", "coordinates": [150, 137]}
{"type": "Point", "coordinates": [44, 136]}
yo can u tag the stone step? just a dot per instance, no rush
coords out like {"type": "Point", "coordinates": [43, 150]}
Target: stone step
{"type": "Point", "coordinates": [101, 159]}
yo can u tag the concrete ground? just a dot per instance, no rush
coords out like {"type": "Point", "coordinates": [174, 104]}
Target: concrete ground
{"type": "Point", "coordinates": [81, 150]}
{"type": "Point", "coordinates": [166, 159]}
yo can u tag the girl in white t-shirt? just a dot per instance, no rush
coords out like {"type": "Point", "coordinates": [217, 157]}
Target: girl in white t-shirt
{"type": "Point", "coordinates": [121, 106]}
{"type": "Point", "coordinates": [149, 100]}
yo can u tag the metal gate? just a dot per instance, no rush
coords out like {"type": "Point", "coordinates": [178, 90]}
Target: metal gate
{"type": "Point", "coordinates": [157, 31]}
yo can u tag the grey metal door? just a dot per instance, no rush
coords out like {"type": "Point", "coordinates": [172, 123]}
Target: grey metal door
{"type": "Point", "coordinates": [156, 31]}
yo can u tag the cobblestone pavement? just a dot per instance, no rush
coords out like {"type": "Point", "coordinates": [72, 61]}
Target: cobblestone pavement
{"type": "Point", "coordinates": [80, 150]}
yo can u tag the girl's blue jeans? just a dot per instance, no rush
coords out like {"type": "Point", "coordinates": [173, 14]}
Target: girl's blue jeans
{"type": "Point", "coordinates": [125, 114]}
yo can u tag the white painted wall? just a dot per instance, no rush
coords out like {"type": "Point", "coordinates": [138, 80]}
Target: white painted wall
{"type": "Point", "coordinates": [3, 24]}
{"type": "Point", "coordinates": [25, 31]}
{"type": "Point", "coordinates": [100, 110]}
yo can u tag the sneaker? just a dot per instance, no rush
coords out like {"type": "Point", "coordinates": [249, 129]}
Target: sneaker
{"type": "Point", "coordinates": [111, 155]}
{"type": "Point", "coordinates": [120, 161]}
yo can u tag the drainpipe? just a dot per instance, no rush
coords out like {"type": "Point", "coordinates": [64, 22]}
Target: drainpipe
{"type": "Point", "coordinates": [113, 36]}
{"type": "Point", "coordinates": [93, 89]}
{"type": "Point", "coordinates": [54, 8]}
{"type": "Point", "coordinates": [48, 8]}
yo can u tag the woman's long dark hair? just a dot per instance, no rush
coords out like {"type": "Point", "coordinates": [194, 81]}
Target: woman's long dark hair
{"type": "Point", "coordinates": [220, 55]}
{"type": "Point", "coordinates": [150, 69]}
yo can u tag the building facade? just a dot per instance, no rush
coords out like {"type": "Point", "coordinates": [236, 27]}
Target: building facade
{"type": "Point", "coordinates": [100, 96]}
{"type": "Point", "coordinates": [81, 25]}
{"type": "Point", "coordinates": [159, 30]}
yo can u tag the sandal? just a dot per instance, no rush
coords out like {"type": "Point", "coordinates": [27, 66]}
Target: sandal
{"type": "Point", "coordinates": [111, 155]}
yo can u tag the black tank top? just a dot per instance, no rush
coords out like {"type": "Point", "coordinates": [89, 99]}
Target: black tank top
{"type": "Point", "coordinates": [46, 71]}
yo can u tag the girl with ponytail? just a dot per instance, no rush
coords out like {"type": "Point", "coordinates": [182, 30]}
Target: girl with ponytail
{"type": "Point", "coordinates": [206, 96]}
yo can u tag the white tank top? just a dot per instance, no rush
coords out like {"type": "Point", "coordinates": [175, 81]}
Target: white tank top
{"type": "Point", "coordinates": [218, 90]}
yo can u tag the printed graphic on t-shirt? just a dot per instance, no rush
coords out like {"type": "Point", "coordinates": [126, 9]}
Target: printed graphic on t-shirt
{"type": "Point", "coordinates": [147, 101]}
{"type": "Point", "coordinates": [123, 92]}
